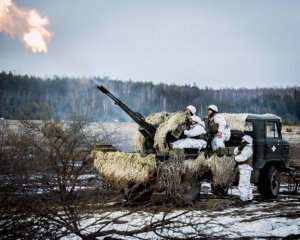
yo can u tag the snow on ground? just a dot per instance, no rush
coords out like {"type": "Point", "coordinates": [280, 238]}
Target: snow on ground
{"type": "Point", "coordinates": [276, 218]}
{"type": "Point", "coordinates": [237, 223]}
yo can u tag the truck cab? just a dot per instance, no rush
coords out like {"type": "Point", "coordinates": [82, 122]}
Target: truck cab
{"type": "Point", "coordinates": [271, 153]}
{"type": "Point", "coordinates": [268, 145]}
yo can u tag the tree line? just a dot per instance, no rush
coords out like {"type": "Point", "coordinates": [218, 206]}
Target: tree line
{"type": "Point", "coordinates": [28, 97]}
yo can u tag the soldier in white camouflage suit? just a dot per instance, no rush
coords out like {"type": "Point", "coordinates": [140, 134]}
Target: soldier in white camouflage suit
{"type": "Point", "coordinates": [191, 110]}
{"type": "Point", "coordinates": [217, 126]}
{"type": "Point", "coordinates": [244, 159]}
{"type": "Point", "coordinates": [194, 136]}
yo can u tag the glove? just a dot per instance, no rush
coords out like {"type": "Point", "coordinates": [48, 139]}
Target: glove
{"type": "Point", "coordinates": [240, 148]}
{"type": "Point", "coordinates": [183, 127]}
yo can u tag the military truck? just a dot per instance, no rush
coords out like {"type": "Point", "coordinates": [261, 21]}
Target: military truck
{"type": "Point", "coordinates": [271, 153]}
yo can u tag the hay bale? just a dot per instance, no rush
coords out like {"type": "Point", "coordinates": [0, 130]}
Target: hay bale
{"type": "Point", "coordinates": [169, 125]}
{"type": "Point", "coordinates": [169, 175]}
{"type": "Point", "coordinates": [121, 169]}
{"type": "Point", "coordinates": [139, 140]}
{"type": "Point", "coordinates": [237, 121]}
{"type": "Point", "coordinates": [223, 169]}
{"type": "Point", "coordinates": [157, 118]}
{"type": "Point", "coordinates": [194, 168]}
{"type": "Point", "coordinates": [175, 173]}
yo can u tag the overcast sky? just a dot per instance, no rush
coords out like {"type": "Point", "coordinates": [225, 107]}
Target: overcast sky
{"type": "Point", "coordinates": [212, 43]}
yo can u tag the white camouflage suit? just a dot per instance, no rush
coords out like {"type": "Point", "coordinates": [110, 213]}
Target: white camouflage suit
{"type": "Point", "coordinates": [245, 172]}
{"type": "Point", "coordinates": [196, 130]}
{"type": "Point", "coordinates": [218, 142]}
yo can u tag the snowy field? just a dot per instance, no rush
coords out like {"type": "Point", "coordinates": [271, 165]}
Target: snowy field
{"type": "Point", "coordinates": [214, 218]}
{"type": "Point", "coordinates": [211, 217]}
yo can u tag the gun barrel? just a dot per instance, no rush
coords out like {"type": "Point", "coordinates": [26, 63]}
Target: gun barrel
{"type": "Point", "coordinates": [103, 89]}
{"type": "Point", "coordinates": [146, 129]}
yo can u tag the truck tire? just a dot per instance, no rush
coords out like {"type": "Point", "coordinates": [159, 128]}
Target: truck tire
{"type": "Point", "coordinates": [269, 182]}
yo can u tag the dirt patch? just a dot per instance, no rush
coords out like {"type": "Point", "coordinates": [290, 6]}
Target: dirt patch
{"type": "Point", "coordinates": [295, 155]}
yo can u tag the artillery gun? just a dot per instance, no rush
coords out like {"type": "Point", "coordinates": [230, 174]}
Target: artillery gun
{"type": "Point", "coordinates": [145, 128]}
{"type": "Point", "coordinates": [271, 156]}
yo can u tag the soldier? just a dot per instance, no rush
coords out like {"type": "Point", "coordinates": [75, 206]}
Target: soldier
{"type": "Point", "coordinates": [217, 126]}
{"type": "Point", "coordinates": [194, 136]}
{"type": "Point", "coordinates": [244, 159]}
{"type": "Point", "coordinates": [191, 110]}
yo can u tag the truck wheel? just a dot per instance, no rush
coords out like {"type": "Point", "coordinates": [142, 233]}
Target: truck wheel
{"type": "Point", "coordinates": [269, 182]}
{"type": "Point", "coordinates": [219, 190]}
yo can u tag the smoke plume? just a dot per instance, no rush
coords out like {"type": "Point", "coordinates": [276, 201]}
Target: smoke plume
{"type": "Point", "coordinates": [26, 24]}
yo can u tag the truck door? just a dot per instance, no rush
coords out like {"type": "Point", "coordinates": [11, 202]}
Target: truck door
{"type": "Point", "coordinates": [273, 146]}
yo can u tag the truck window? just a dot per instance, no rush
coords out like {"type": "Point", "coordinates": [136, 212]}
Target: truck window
{"type": "Point", "coordinates": [271, 130]}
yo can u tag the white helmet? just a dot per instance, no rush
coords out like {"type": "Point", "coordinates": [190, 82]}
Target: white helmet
{"type": "Point", "coordinates": [213, 107]}
{"type": "Point", "coordinates": [196, 119]}
{"type": "Point", "coordinates": [192, 109]}
{"type": "Point", "coordinates": [247, 139]}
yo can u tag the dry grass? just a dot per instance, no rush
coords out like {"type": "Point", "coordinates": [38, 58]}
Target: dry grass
{"type": "Point", "coordinates": [237, 121]}
{"type": "Point", "coordinates": [121, 169]}
{"type": "Point", "coordinates": [169, 125]}
{"type": "Point", "coordinates": [223, 169]}
{"type": "Point", "coordinates": [139, 140]}
{"type": "Point", "coordinates": [174, 173]}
